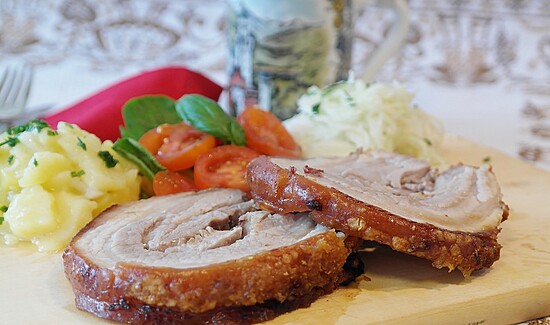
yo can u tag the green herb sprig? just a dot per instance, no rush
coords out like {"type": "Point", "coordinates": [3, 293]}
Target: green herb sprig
{"type": "Point", "coordinates": [107, 158]}
{"type": "Point", "coordinates": [14, 132]}
{"type": "Point", "coordinates": [81, 144]}
{"type": "Point", "coordinates": [78, 173]}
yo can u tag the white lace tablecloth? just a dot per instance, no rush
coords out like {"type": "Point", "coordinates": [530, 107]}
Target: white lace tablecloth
{"type": "Point", "coordinates": [481, 67]}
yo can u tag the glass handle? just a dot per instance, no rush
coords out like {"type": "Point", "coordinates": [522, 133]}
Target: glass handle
{"type": "Point", "coordinates": [393, 42]}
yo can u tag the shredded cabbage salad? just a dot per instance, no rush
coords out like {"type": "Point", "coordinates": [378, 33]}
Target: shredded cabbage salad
{"type": "Point", "coordinates": [348, 115]}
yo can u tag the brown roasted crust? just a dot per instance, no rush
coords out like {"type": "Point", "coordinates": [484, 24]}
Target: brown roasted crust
{"type": "Point", "coordinates": [130, 310]}
{"type": "Point", "coordinates": [283, 191]}
{"type": "Point", "coordinates": [294, 275]}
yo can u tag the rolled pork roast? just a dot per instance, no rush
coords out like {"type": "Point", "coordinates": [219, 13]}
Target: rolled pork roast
{"type": "Point", "coordinates": [204, 257]}
{"type": "Point", "coordinates": [217, 257]}
{"type": "Point", "coordinates": [451, 218]}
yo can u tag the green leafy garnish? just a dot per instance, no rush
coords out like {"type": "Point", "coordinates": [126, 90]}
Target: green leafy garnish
{"type": "Point", "coordinates": [109, 160]}
{"type": "Point", "coordinates": [81, 144]}
{"type": "Point", "coordinates": [10, 141]}
{"type": "Point", "coordinates": [206, 115]}
{"type": "Point", "coordinates": [13, 132]}
{"type": "Point", "coordinates": [4, 209]}
{"type": "Point", "coordinates": [145, 113]}
{"type": "Point", "coordinates": [52, 133]}
{"type": "Point", "coordinates": [35, 162]}
{"type": "Point", "coordinates": [34, 125]}
{"type": "Point", "coordinates": [315, 108]}
{"type": "Point", "coordinates": [137, 154]}
{"type": "Point", "coordinates": [428, 141]}
{"type": "Point", "coordinates": [78, 173]}
{"type": "Point", "coordinates": [10, 159]}
{"type": "Point", "coordinates": [487, 159]}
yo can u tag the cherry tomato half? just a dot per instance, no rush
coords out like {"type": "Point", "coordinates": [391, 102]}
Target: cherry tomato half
{"type": "Point", "coordinates": [224, 166]}
{"type": "Point", "coordinates": [266, 134]}
{"type": "Point", "coordinates": [177, 146]}
{"type": "Point", "coordinates": [166, 182]}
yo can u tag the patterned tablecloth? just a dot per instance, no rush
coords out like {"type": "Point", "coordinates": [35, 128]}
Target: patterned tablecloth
{"type": "Point", "coordinates": [482, 67]}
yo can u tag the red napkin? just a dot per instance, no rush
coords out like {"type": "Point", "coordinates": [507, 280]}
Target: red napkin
{"type": "Point", "coordinates": [101, 114]}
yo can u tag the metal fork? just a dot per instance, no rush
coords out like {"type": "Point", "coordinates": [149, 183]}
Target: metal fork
{"type": "Point", "coordinates": [15, 87]}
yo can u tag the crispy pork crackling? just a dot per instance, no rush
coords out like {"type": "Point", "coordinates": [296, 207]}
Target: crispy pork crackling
{"type": "Point", "coordinates": [451, 218]}
{"type": "Point", "coordinates": [208, 256]}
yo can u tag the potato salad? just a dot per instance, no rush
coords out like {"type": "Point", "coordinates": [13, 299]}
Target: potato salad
{"type": "Point", "coordinates": [53, 182]}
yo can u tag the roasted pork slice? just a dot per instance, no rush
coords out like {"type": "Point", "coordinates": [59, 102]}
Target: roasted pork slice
{"type": "Point", "coordinates": [208, 256]}
{"type": "Point", "coordinates": [451, 218]}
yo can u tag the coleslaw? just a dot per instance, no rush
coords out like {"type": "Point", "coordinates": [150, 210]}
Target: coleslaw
{"type": "Point", "coordinates": [348, 115]}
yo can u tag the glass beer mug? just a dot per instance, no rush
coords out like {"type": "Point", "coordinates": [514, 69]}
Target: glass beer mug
{"type": "Point", "coordinates": [278, 49]}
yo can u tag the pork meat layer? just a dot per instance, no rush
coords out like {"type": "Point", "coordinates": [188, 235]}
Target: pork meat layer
{"type": "Point", "coordinates": [451, 218]}
{"type": "Point", "coordinates": [200, 257]}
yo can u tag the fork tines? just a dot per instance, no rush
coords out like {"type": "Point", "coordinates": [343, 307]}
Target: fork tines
{"type": "Point", "coordinates": [15, 86]}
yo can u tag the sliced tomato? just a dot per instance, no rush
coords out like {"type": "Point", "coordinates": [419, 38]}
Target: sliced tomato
{"type": "Point", "coordinates": [166, 182]}
{"type": "Point", "coordinates": [266, 134]}
{"type": "Point", "coordinates": [224, 166]}
{"type": "Point", "coordinates": [177, 146]}
{"type": "Point", "coordinates": [152, 141]}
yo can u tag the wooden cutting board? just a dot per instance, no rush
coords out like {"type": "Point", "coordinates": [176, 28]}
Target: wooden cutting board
{"type": "Point", "coordinates": [402, 290]}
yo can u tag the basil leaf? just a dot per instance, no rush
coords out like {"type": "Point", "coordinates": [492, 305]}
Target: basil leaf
{"type": "Point", "coordinates": [142, 114]}
{"type": "Point", "coordinates": [123, 132]}
{"type": "Point", "coordinates": [237, 133]}
{"type": "Point", "coordinates": [139, 156]}
{"type": "Point", "coordinates": [206, 115]}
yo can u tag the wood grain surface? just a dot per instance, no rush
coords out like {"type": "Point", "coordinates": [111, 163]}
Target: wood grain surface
{"type": "Point", "coordinates": [401, 290]}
